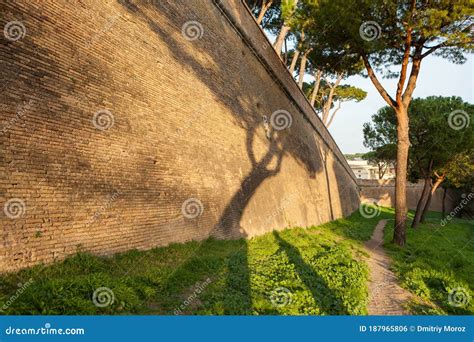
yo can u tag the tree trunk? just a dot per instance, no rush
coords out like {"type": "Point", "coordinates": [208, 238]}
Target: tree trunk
{"type": "Point", "coordinates": [400, 105]}
{"type": "Point", "coordinates": [333, 114]}
{"type": "Point", "coordinates": [422, 201]}
{"type": "Point", "coordinates": [427, 207]}
{"type": "Point", "coordinates": [382, 169]}
{"type": "Point", "coordinates": [443, 205]}
{"type": "Point", "coordinates": [435, 186]}
{"type": "Point", "coordinates": [278, 45]}
{"type": "Point", "coordinates": [425, 194]}
{"type": "Point", "coordinates": [304, 58]}
{"type": "Point", "coordinates": [265, 6]}
{"type": "Point", "coordinates": [327, 105]}
{"type": "Point", "coordinates": [317, 82]}
{"type": "Point", "coordinates": [403, 144]}
{"type": "Point", "coordinates": [293, 61]}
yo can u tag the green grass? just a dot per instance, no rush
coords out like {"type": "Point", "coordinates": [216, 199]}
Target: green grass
{"type": "Point", "coordinates": [297, 271]}
{"type": "Point", "coordinates": [317, 271]}
{"type": "Point", "coordinates": [436, 260]}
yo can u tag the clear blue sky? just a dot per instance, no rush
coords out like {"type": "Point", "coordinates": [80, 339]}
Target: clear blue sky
{"type": "Point", "coordinates": [437, 77]}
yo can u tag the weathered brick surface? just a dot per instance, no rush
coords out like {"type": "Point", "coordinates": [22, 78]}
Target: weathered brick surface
{"type": "Point", "coordinates": [188, 123]}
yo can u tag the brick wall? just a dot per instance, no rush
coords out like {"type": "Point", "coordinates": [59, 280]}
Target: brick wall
{"type": "Point", "coordinates": [128, 124]}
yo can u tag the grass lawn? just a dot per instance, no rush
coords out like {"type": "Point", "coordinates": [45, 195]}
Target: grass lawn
{"type": "Point", "coordinates": [313, 271]}
{"type": "Point", "coordinates": [435, 262]}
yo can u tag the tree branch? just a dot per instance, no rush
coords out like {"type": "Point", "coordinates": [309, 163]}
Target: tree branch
{"type": "Point", "coordinates": [327, 106]}
{"type": "Point", "coordinates": [406, 59]}
{"type": "Point", "coordinates": [334, 114]}
{"type": "Point", "coordinates": [296, 54]}
{"type": "Point", "coordinates": [439, 180]}
{"type": "Point", "coordinates": [415, 70]}
{"type": "Point", "coordinates": [377, 84]}
{"type": "Point", "coordinates": [317, 82]}
{"type": "Point", "coordinates": [458, 28]}
{"type": "Point", "coordinates": [432, 49]}
{"type": "Point", "coordinates": [265, 6]}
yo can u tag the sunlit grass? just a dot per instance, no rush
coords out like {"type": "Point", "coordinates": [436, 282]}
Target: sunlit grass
{"type": "Point", "coordinates": [437, 260]}
{"type": "Point", "coordinates": [318, 270]}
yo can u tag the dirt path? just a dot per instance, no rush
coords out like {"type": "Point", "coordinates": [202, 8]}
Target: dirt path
{"type": "Point", "coordinates": [385, 295]}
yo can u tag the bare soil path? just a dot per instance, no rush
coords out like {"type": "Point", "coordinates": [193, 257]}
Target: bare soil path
{"type": "Point", "coordinates": [386, 297]}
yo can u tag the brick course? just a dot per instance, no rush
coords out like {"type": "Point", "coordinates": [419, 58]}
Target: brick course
{"type": "Point", "coordinates": [188, 122]}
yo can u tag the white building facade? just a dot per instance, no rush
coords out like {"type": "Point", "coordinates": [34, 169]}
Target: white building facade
{"type": "Point", "coordinates": [363, 170]}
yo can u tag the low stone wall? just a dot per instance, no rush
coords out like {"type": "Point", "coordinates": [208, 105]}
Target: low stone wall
{"type": "Point", "coordinates": [383, 191]}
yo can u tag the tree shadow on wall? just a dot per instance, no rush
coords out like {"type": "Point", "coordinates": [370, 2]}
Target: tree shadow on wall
{"type": "Point", "coordinates": [268, 166]}
{"type": "Point", "coordinates": [302, 149]}
{"type": "Point", "coordinates": [248, 114]}
{"type": "Point", "coordinates": [236, 298]}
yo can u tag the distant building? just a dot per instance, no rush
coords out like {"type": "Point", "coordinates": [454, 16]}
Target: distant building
{"type": "Point", "coordinates": [363, 170]}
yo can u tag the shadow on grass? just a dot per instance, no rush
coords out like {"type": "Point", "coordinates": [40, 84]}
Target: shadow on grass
{"type": "Point", "coordinates": [220, 265]}
{"type": "Point", "coordinates": [322, 294]}
{"type": "Point", "coordinates": [237, 295]}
